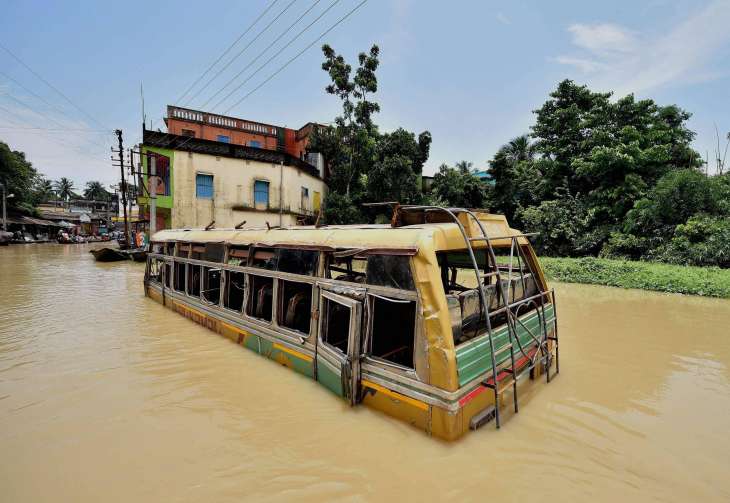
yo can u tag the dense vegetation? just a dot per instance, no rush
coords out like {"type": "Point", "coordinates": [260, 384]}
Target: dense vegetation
{"type": "Point", "coordinates": [615, 179]}
{"type": "Point", "coordinates": [707, 281]}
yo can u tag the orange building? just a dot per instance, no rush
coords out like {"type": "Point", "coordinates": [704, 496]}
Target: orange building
{"type": "Point", "coordinates": [207, 126]}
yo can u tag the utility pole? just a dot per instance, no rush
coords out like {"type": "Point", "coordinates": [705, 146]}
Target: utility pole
{"type": "Point", "coordinates": [127, 237]}
{"type": "Point", "coordinates": [152, 189]}
{"type": "Point", "coordinates": [281, 192]}
{"type": "Point", "coordinates": [5, 215]}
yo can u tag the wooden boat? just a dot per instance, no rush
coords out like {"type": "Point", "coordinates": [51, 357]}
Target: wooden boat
{"type": "Point", "coordinates": [115, 255]}
{"type": "Point", "coordinates": [138, 254]}
{"type": "Point", "coordinates": [431, 320]}
{"type": "Point", "coordinates": [109, 255]}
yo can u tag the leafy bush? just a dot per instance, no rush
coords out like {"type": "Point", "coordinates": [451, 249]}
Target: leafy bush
{"type": "Point", "coordinates": [560, 224]}
{"type": "Point", "coordinates": [706, 281]}
{"type": "Point", "coordinates": [703, 240]}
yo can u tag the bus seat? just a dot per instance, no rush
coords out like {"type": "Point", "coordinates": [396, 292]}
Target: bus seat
{"type": "Point", "coordinates": [263, 297]}
{"type": "Point", "coordinates": [297, 310]}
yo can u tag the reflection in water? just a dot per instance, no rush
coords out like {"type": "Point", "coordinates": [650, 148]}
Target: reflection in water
{"type": "Point", "coordinates": [105, 395]}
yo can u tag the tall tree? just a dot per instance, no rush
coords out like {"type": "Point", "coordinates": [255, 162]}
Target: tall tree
{"type": "Point", "coordinates": [459, 187]}
{"type": "Point", "coordinates": [18, 176]}
{"type": "Point", "coordinates": [399, 160]}
{"type": "Point", "coordinates": [43, 189]}
{"type": "Point", "coordinates": [517, 178]}
{"type": "Point", "coordinates": [64, 188]}
{"type": "Point", "coordinates": [598, 156]}
{"type": "Point", "coordinates": [362, 164]}
{"type": "Point", "coordinates": [95, 191]}
{"type": "Point", "coordinates": [349, 145]}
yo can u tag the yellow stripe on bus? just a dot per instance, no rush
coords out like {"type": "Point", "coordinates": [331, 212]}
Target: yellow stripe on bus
{"type": "Point", "coordinates": [412, 401]}
{"type": "Point", "coordinates": [293, 352]}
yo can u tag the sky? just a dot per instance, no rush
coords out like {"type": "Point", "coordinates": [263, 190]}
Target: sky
{"type": "Point", "coordinates": [470, 72]}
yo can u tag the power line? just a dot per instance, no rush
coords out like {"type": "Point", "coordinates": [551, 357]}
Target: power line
{"type": "Point", "coordinates": [276, 54]}
{"type": "Point", "coordinates": [55, 140]}
{"type": "Point", "coordinates": [52, 87]}
{"type": "Point", "coordinates": [221, 70]}
{"type": "Point", "coordinates": [179, 100]}
{"type": "Point", "coordinates": [58, 109]}
{"type": "Point", "coordinates": [78, 148]}
{"type": "Point", "coordinates": [281, 35]}
{"type": "Point", "coordinates": [297, 55]}
{"type": "Point", "coordinates": [29, 91]}
{"type": "Point", "coordinates": [287, 63]}
{"type": "Point", "coordinates": [33, 110]}
{"type": "Point", "coordinates": [80, 130]}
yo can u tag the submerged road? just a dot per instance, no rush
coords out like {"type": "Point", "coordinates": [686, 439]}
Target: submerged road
{"type": "Point", "coordinates": [107, 396]}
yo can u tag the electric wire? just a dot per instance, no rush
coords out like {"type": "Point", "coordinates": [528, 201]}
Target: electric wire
{"type": "Point", "coordinates": [323, 34]}
{"type": "Point", "coordinates": [282, 49]}
{"type": "Point", "coordinates": [77, 107]}
{"type": "Point", "coordinates": [343, 18]}
{"type": "Point", "coordinates": [179, 100]}
{"type": "Point", "coordinates": [281, 35]}
{"type": "Point", "coordinates": [22, 120]}
{"type": "Point", "coordinates": [230, 62]}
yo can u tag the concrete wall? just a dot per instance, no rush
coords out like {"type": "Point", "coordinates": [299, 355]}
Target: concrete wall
{"type": "Point", "coordinates": [233, 192]}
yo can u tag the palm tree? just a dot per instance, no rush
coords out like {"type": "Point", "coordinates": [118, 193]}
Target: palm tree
{"type": "Point", "coordinates": [44, 189]}
{"type": "Point", "coordinates": [64, 188]}
{"type": "Point", "coordinates": [95, 191]}
{"type": "Point", "coordinates": [519, 149]}
{"type": "Point", "coordinates": [464, 166]}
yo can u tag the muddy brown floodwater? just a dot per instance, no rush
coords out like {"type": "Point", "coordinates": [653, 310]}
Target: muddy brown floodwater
{"type": "Point", "coordinates": [107, 396]}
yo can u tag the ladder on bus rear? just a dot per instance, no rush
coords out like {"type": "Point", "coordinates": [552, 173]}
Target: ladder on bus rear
{"type": "Point", "coordinates": [502, 379]}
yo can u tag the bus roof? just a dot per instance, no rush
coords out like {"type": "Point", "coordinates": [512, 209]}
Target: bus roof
{"type": "Point", "coordinates": [439, 236]}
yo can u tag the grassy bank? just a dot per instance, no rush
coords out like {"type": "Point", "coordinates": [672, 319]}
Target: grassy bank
{"type": "Point", "coordinates": [706, 281]}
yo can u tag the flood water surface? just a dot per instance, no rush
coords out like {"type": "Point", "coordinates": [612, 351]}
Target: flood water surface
{"type": "Point", "coordinates": [107, 396]}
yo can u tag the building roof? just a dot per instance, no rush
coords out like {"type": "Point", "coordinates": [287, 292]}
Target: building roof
{"type": "Point", "coordinates": [222, 149]}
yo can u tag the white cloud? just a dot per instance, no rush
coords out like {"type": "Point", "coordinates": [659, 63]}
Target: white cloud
{"type": "Point", "coordinates": [602, 38]}
{"type": "Point", "coordinates": [616, 58]}
{"type": "Point", "coordinates": [503, 19]}
{"type": "Point", "coordinates": [582, 64]}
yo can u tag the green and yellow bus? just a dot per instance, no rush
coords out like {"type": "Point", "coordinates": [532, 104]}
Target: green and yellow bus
{"type": "Point", "coordinates": [432, 319]}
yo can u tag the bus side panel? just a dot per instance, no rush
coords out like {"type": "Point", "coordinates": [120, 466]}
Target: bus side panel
{"type": "Point", "coordinates": [395, 405]}
{"type": "Point", "coordinates": [446, 425]}
{"type": "Point", "coordinates": [293, 359]}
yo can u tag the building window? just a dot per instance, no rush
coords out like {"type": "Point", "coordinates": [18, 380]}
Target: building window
{"type": "Point", "coordinates": [261, 192]}
{"type": "Point", "coordinates": [224, 138]}
{"type": "Point", "coordinates": [304, 203]}
{"type": "Point", "coordinates": [162, 169]}
{"type": "Point", "coordinates": [254, 143]}
{"type": "Point", "coordinates": [188, 132]}
{"type": "Point", "coordinates": [204, 186]}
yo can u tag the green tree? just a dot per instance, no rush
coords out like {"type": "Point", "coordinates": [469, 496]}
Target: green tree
{"type": "Point", "coordinates": [18, 176]}
{"type": "Point", "coordinates": [64, 188]}
{"type": "Point", "coordinates": [604, 155]}
{"type": "Point", "coordinates": [517, 178]}
{"type": "Point", "coordinates": [349, 145]}
{"type": "Point", "coordinates": [459, 187]}
{"type": "Point", "coordinates": [95, 191]}
{"type": "Point", "coordinates": [43, 189]}
{"type": "Point", "coordinates": [679, 197]}
{"type": "Point", "coordinates": [399, 160]}
{"type": "Point", "coordinates": [363, 165]}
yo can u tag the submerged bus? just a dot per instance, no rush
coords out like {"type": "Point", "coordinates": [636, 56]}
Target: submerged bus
{"type": "Point", "coordinates": [433, 319]}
